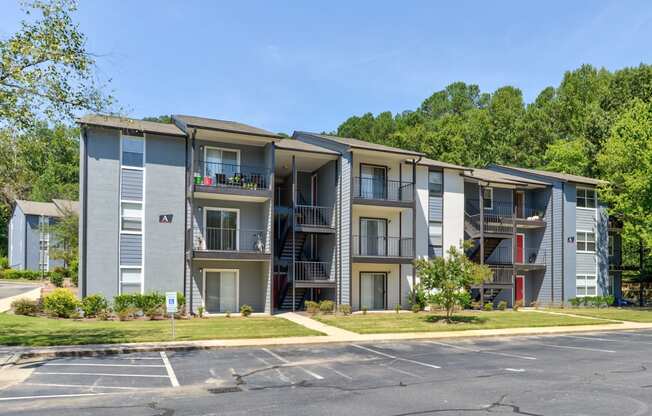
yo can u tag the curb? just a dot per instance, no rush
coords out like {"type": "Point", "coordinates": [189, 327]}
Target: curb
{"type": "Point", "coordinates": [110, 349]}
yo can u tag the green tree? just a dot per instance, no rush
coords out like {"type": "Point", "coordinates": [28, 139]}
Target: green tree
{"type": "Point", "coordinates": [450, 277]}
{"type": "Point", "coordinates": [65, 234]}
{"type": "Point", "coordinates": [45, 68]}
{"type": "Point", "coordinates": [568, 156]}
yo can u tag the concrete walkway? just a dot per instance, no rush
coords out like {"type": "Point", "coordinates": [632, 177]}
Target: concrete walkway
{"type": "Point", "coordinates": [333, 335]}
{"type": "Point", "coordinates": [9, 292]}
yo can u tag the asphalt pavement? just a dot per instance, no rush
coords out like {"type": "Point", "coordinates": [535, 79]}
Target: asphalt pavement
{"type": "Point", "coordinates": [585, 374]}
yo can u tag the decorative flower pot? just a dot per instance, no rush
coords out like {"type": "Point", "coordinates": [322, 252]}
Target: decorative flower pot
{"type": "Point", "coordinates": [208, 180]}
{"type": "Point", "coordinates": [198, 179]}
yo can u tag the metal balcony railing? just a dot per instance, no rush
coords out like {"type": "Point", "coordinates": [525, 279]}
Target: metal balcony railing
{"type": "Point", "coordinates": [504, 209]}
{"type": "Point", "coordinates": [225, 175]}
{"type": "Point", "coordinates": [314, 216]}
{"type": "Point", "coordinates": [232, 239]}
{"type": "Point", "coordinates": [376, 246]}
{"type": "Point", "coordinates": [313, 271]}
{"type": "Point", "coordinates": [525, 256]}
{"type": "Point", "coordinates": [501, 275]}
{"type": "Point", "coordinates": [382, 189]}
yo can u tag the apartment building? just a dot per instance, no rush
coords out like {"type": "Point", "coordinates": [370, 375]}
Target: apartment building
{"type": "Point", "coordinates": [231, 214]}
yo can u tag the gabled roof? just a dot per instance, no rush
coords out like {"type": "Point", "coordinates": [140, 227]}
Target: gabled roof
{"type": "Point", "coordinates": [361, 144]}
{"type": "Point", "coordinates": [438, 164]}
{"type": "Point", "coordinates": [495, 177]}
{"type": "Point", "coordinates": [47, 209]}
{"type": "Point", "coordinates": [132, 124]}
{"type": "Point", "coordinates": [65, 205]}
{"type": "Point", "coordinates": [223, 125]}
{"type": "Point", "coordinates": [297, 145]}
{"type": "Point", "coordinates": [556, 175]}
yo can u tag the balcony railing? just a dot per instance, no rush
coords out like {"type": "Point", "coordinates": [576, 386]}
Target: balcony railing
{"type": "Point", "coordinates": [492, 224]}
{"type": "Point", "coordinates": [232, 239]}
{"type": "Point", "coordinates": [382, 189]}
{"type": "Point", "coordinates": [375, 246]}
{"type": "Point", "coordinates": [501, 209]}
{"type": "Point", "coordinates": [501, 275]}
{"type": "Point", "coordinates": [225, 175]}
{"type": "Point", "coordinates": [525, 256]}
{"type": "Point", "coordinates": [313, 271]}
{"type": "Point", "coordinates": [314, 216]}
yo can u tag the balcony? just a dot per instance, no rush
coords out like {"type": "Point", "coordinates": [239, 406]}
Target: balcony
{"type": "Point", "coordinates": [232, 243]}
{"type": "Point", "coordinates": [528, 258]}
{"type": "Point", "coordinates": [374, 191]}
{"type": "Point", "coordinates": [379, 249]}
{"type": "Point", "coordinates": [214, 179]}
{"type": "Point", "coordinates": [501, 217]}
{"type": "Point", "coordinates": [315, 219]}
{"type": "Point", "coordinates": [313, 274]}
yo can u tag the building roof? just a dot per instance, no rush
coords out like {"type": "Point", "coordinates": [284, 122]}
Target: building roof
{"type": "Point", "coordinates": [556, 175]}
{"type": "Point", "coordinates": [47, 209]}
{"type": "Point", "coordinates": [223, 125]}
{"type": "Point", "coordinates": [493, 176]}
{"type": "Point", "coordinates": [66, 205]}
{"type": "Point", "coordinates": [438, 164]}
{"type": "Point", "coordinates": [361, 144]}
{"type": "Point", "coordinates": [132, 124]}
{"type": "Point", "coordinates": [298, 145]}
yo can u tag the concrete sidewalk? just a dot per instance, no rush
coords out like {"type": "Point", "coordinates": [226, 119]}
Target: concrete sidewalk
{"type": "Point", "coordinates": [334, 335]}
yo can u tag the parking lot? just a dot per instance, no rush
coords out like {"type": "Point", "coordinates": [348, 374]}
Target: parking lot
{"type": "Point", "coordinates": [596, 373]}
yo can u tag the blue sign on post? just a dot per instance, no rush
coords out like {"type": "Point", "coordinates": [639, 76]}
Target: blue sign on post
{"type": "Point", "coordinates": [171, 302]}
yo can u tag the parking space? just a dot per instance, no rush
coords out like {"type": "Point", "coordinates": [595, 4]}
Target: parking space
{"type": "Point", "coordinates": [347, 367]}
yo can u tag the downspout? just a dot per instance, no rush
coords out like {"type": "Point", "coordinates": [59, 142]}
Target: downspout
{"type": "Point", "coordinates": [189, 229]}
{"type": "Point", "coordinates": [185, 218]}
{"type": "Point", "coordinates": [294, 234]}
{"type": "Point", "coordinates": [563, 237]}
{"type": "Point", "coordinates": [414, 225]}
{"type": "Point", "coordinates": [84, 213]}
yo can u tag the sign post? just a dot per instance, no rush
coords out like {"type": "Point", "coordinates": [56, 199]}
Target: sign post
{"type": "Point", "coordinates": [171, 306]}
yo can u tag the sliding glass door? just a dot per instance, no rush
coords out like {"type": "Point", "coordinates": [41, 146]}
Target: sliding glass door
{"type": "Point", "coordinates": [221, 291]}
{"type": "Point", "coordinates": [373, 287]}
{"type": "Point", "coordinates": [373, 237]}
{"type": "Point", "coordinates": [221, 229]}
{"type": "Point", "coordinates": [373, 182]}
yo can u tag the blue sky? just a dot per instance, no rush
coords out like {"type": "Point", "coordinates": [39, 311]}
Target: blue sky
{"type": "Point", "coordinates": [299, 65]}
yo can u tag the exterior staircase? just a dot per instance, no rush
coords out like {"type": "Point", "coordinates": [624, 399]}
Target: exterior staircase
{"type": "Point", "coordinates": [286, 302]}
{"type": "Point", "coordinates": [286, 251]}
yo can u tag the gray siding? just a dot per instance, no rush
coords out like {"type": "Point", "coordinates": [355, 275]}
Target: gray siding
{"type": "Point", "coordinates": [251, 215]}
{"type": "Point", "coordinates": [132, 184]}
{"type": "Point", "coordinates": [345, 228]}
{"type": "Point", "coordinates": [103, 147]}
{"type": "Point", "coordinates": [17, 239]}
{"type": "Point", "coordinates": [32, 237]}
{"type": "Point", "coordinates": [435, 208]}
{"type": "Point", "coordinates": [586, 219]}
{"type": "Point", "coordinates": [131, 249]}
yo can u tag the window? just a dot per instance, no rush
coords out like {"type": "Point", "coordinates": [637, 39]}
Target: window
{"type": "Point", "coordinates": [435, 232]}
{"type": "Point", "coordinates": [221, 229]}
{"type": "Point", "coordinates": [586, 285]}
{"type": "Point", "coordinates": [131, 280]}
{"type": "Point", "coordinates": [488, 198]}
{"type": "Point", "coordinates": [44, 253]}
{"type": "Point", "coordinates": [435, 181]}
{"type": "Point", "coordinates": [585, 242]}
{"type": "Point", "coordinates": [585, 198]}
{"type": "Point", "coordinates": [132, 151]}
{"type": "Point", "coordinates": [131, 214]}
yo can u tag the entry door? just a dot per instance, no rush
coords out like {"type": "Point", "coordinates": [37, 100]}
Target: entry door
{"type": "Point", "coordinates": [372, 290]}
{"type": "Point", "coordinates": [373, 237]}
{"type": "Point", "coordinates": [373, 182]}
{"type": "Point", "coordinates": [520, 288]}
{"type": "Point", "coordinates": [221, 230]}
{"type": "Point", "coordinates": [520, 204]}
{"type": "Point", "coordinates": [520, 248]}
{"type": "Point", "coordinates": [221, 292]}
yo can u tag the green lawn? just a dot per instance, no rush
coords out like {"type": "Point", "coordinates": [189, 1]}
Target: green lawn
{"type": "Point", "coordinates": [36, 331]}
{"type": "Point", "coordinates": [618, 314]}
{"type": "Point", "coordinates": [433, 322]}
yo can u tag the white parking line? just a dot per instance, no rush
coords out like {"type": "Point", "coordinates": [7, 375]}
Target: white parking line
{"type": "Point", "coordinates": [591, 338]}
{"type": "Point", "coordinates": [55, 373]}
{"type": "Point", "coordinates": [170, 370]}
{"type": "Point", "coordinates": [516, 370]}
{"type": "Point", "coordinates": [50, 396]}
{"type": "Point", "coordinates": [393, 357]}
{"type": "Point", "coordinates": [504, 354]}
{"type": "Point", "coordinates": [85, 386]}
{"type": "Point", "coordinates": [278, 357]}
{"type": "Point", "coordinates": [577, 348]}
{"type": "Point", "coordinates": [101, 365]}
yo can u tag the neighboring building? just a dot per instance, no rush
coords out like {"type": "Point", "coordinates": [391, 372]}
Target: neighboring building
{"type": "Point", "coordinates": [30, 237]}
{"type": "Point", "coordinates": [231, 214]}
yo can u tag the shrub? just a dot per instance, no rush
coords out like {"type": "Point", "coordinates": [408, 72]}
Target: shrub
{"type": "Point", "coordinates": [418, 297]}
{"type": "Point", "coordinates": [200, 311]}
{"type": "Point", "coordinates": [397, 308]}
{"type": "Point", "coordinates": [4, 263]}
{"type": "Point", "coordinates": [127, 313]}
{"type": "Point", "coordinates": [181, 302]}
{"type": "Point", "coordinates": [246, 310]}
{"type": "Point", "coordinates": [62, 271]}
{"type": "Point", "coordinates": [155, 312]}
{"type": "Point", "coordinates": [610, 300]}
{"type": "Point", "coordinates": [364, 310]}
{"type": "Point", "coordinates": [25, 306]}
{"type": "Point", "coordinates": [61, 303]}
{"type": "Point", "coordinates": [575, 302]}
{"type": "Point", "coordinates": [74, 279]}
{"type": "Point", "coordinates": [311, 307]}
{"type": "Point", "coordinates": [416, 308]}
{"type": "Point", "coordinates": [103, 314]}
{"type": "Point", "coordinates": [345, 309]}
{"type": "Point", "coordinates": [123, 302]}
{"type": "Point", "coordinates": [326, 306]}
{"type": "Point", "coordinates": [517, 305]}
{"type": "Point", "coordinates": [22, 274]}
{"type": "Point", "coordinates": [149, 301]}
{"type": "Point", "coordinates": [488, 307]}
{"type": "Point", "coordinates": [56, 279]}
{"type": "Point", "coordinates": [502, 305]}
{"type": "Point", "coordinates": [92, 305]}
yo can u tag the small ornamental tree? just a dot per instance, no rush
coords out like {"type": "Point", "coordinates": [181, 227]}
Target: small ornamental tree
{"type": "Point", "coordinates": [449, 277]}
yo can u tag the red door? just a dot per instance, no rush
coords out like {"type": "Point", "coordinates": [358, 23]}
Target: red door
{"type": "Point", "coordinates": [520, 285]}
{"type": "Point", "coordinates": [520, 252]}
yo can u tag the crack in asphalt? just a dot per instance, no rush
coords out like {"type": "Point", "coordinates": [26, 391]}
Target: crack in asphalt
{"type": "Point", "coordinates": [150, 405]}
{"type": "Point", "coordinates": [486, 409]}
{"type": "Point", "coordinates": [638, 370]}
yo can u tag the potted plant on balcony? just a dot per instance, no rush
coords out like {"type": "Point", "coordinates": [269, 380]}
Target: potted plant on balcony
{"type": "Point", "coordinates": [220, 179]}
{"type": "Point", "coordinates": [208, 181]}
{"type": "Point", "coordinates": [198, 179]}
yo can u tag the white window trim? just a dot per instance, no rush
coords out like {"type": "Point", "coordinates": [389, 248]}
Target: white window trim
{"type": "Point", "coordinates": [237, 288]}
{"type": "Point", "coordinates": [577, 240]}
{"type": "Point", "coordinates": [142, 202]}
{"type": "Point", "coordinates": [206, 148]}
{"type": "Point", "coordinates": [237, 225]}
{"type": "Point", "coordinates": [44, 254]}
{"type": "Point", "coordinates": [142, 217]}
{"type": "Point", "coordinates": [595, 199]}
{"type": "Point", "coordinates": [441, 225]}
{"type": "Point", "coordinates": [491, 197]}
{"type": "Point", "coordinates": [585, 276]}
